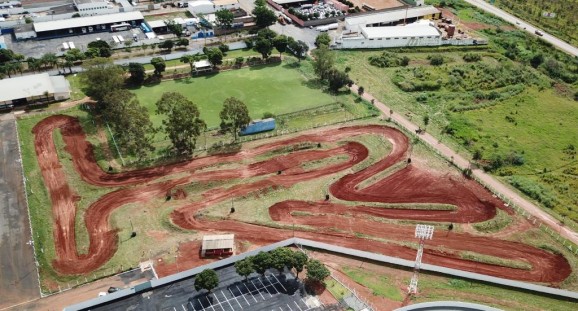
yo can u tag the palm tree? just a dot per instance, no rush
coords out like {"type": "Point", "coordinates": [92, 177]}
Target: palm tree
{"type": "Point", "coordinates": [50, 59]}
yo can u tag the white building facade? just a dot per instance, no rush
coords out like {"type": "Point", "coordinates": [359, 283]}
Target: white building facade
{"type": "Point", "coordinates": [417, 34]}
{"type": "Point", "coordinates": [94, 7]}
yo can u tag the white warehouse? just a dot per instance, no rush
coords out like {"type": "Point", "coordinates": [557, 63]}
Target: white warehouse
{"type": "Point", "coordinates": [422, 33]}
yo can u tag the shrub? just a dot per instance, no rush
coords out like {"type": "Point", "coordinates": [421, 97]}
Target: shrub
{"type": "Point", "coordinates": [224, 48]}
{"type": "Point", "coordinates": [471, 57]}
{"type": "Point", "coordinates": [533, 190]}
{"type": "Point", "coordinates": [388, 59]}
{"type": "Point", "coordinates": [435, 60]}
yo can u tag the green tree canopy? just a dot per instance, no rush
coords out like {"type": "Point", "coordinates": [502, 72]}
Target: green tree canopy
{"type": "Point", "coordinates": [208, 279]}
{"type": "Point", "coordinates": [264, 47]}
{"type": "Point", "coordinates": [322, 39]}
{"type": "Point", "coordinates": [103, 48]}
{"type": "Point", "coordinates": [262, 262]}
{"type": "Point", "coordinates": [167, 45]}
{"type": "Point", "coordinates": [175, 28]}
{"type": "Point", "coordinates": [298, 48]}
{"type": "Point", "coordinates": [280, 43]}
{"type": "Point", "coordinates": [100, 77]}
{"type": "Point", "coordinates": [337, 79]}
{"type": "Point", "coordinates": [245, 267]}
{"type": "Point", "coordinates": [324, 61]}
{"type": "Point", "coordinates": [264, 17]}
{"type": "Point", "coordinates": [316, 271]}
{"type": "Point", "coordinates": [159, 64]}
{"type": "Point", "coordinates": [182, 123]}
{"type": "Point", "coordinates": [137, 73]}
{"type": "Point", "coordinates": [234, 116]}
{"type": "Point", "coordinates": [190, 59]}
{"type": "Point", "coordinates": [214, 55]}
{"type": "Point", "coordinates": [224, 18]}
{"type": "Point", "coordinates": [282, 257]}
{"type": "Point", "coordinates": [299, 261]}
{"type": "Point", "coordinates": [130, 121]}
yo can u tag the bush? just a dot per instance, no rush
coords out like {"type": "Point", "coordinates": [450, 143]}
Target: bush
{"type": "Point", "coordinates": [435, 60]}
{"type": "Point", "coordinates": [471, 57]}
{"type": "Point", "coordinates": [388, 59]}
{"type": "Point", "coordinates": [533, 190]}
{"type": "Point", "coordinates": [224, 48]}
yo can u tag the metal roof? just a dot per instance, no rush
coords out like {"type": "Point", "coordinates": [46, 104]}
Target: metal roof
{"type": "Point", "coordinates": [157, 23]}
{"type": "Point", "coordinates": [391, 16]}
{"type": "Point", "coordinates": [87, 21]}
{"type": "Point", "coordinates": [31, 85]}
{"type": "Point", "coordinates": [203, 63]}
{"type": "Point", "coordinates": [287, 1]}
{"type": "Point", "coordinates": [221, 241]}
{"type": "Point", "coordinates": [225, 2]}
{"type": "Point", "coordinates": [411, 30]}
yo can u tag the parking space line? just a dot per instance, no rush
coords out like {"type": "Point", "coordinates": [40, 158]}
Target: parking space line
{"type": "Point", "coordinates": [289, 307]}
{"type": "Point", "coordinates": [295, 302]}
{"type": "Point", "coordinates": [210, 304]}
{"type": "Point", "coordinates": [184, 309]}
{"type": "Point", "coordinates": [243, 295]}
{"type": "Point", "coordinates": [280, 283]}
{"type": "Point", "coordinates": [192, 306]}
{"type": "Point", "coordinates": [227, 300]}
{"type": "Point", "coordinates": [280, 308]}
{"type": "Point", "coordinates": [257, 290]}
{"type": "Point", "coordinates": [265, 287]}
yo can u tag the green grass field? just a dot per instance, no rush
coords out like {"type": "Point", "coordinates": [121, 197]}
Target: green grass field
{"type": "Point", "coordinates": [276, 89]}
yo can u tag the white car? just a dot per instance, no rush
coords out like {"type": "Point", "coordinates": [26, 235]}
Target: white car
{"type": "Point", "coordinates": [101, 294]}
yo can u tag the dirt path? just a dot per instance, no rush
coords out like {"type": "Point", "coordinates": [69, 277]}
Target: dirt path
{"type": "Point", "coordinates": [335, 223]}
{"type": "Point", "coordinates": [462, 163]}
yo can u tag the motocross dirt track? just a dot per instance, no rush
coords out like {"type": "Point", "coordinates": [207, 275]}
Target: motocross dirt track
{"type": "Point", "coordinates": [406, 185]}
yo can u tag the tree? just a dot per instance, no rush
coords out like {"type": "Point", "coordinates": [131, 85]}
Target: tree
{"type": "Point", "coordinates": [130, 121]}
{"type": "Point", "coordinates": [6, 56]}
{"type": "Point", "coordinates": [159, 64]}
{"type": "Point", "coordinates": [182, 123]}
{"type": "Point", "coordinates": [49, 59]}
{"type": "Point", "coordinates": [214, 55]}
{"type": "Point", "coordinates": [262, 262]}
{"type": "Point", "coordinates": [71, 56]}
{"type": "Point", "coordinates": [282, 257]}
{"type": "Point", "coordinates": [260, 3]}
{"type": "Point", "coordinates": [264, 47]}
{"type": "Point", "coordinates": [104, 49]}
{"type": "Point", "coordinates": [280, 43]}
{"type": "Point", "coordinates": [208, 279]}
{"type": "Point", "coordinates": [245, 267]}
{"type": "Point", "coordinates": [176, 29]}
{"type": "Point", "coordinates": [267, 34]}
{"type": "Point", "coordinates": [190, 59]}
{"type": "Point", "coordinates": [137, 73]}
{"type": "Point", "coordinates": [316, 271]}
{"type": "Point", "coordinates": [299, 49]}
{"type": "Point", "coordinates": [224, 18]}
{"type": "Point", "coordinates": [100, 77]}
{"type": "Point", "coordinates": [360, 91]}
{"type": "Point", "coordinates": [426, 120]}
{"type": "Point", "coordinates": [167, 45]}
{"type": "Point", "coordinates": [182, 42]}
{"type": "Point", "coordinates": [264, 17]}
{"type": "Point", "coordinates": [324, 61]}
{"type": "Point", "coordinates": [234, 116]}
{"type": "Point", "coordinates": [337, 79]}
{"type": "Point", "coordinates": [322, 39]}
{"type": "Point", "coordinates": [299, 261]}
{"type": "Point", "coordinates": [537, 60]}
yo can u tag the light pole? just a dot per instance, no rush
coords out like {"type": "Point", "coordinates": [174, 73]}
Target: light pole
{"type": "Point", "coordinates": [422, 232]}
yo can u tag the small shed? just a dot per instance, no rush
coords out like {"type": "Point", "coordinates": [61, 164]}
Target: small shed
{"type": "Point", "coordinates": [218, 245]}
{"type": "Point", "coordinates": [202, 66]}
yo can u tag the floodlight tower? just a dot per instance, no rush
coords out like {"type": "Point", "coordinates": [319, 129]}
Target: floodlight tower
{"type": "Point", "coordinates": [422, 232]}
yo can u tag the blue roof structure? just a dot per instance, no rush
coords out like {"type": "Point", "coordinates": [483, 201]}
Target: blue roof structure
{"type": "Point", "coordinates": [258, 126]}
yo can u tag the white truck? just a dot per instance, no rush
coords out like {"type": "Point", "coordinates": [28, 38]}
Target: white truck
{"type": "Point", "coordinates": [327, 27]}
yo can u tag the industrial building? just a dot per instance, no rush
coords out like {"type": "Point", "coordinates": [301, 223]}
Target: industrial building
{"type": "Point", "coordinates": [93, 7]}
{"type": "Point", "coordinates": [89, 24]}
{"type": "Point", "coordinates": [218, 245]}
{"type": "Point", "coordinates": [207, 7]}
{"type": "Point", "coordinates": [39, 88]}
{"type": "Point", "coordinates": [418, 34]}
{"type": "Point", "coordinates": [391, 18]}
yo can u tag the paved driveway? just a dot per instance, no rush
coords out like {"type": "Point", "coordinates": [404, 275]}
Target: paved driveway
{"type": "Point", "coordinates": [18, 273]}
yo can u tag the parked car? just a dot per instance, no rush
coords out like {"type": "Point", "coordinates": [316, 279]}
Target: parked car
{"type": "Point", "coordinates": [539, 33]}
{"type": "Point", "coordinates": [113, 289]}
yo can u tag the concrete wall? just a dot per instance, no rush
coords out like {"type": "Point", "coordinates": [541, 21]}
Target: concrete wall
{"type": "Point", "coordinates": [377, 43]}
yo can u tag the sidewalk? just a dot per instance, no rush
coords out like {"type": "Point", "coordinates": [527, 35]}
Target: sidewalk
{"type": "Point", "coordinates": [462, 163]}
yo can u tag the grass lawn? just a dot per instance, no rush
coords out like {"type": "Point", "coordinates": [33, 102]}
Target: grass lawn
{"type": "Point", "coordinates": [379, 285]}
{"type": "Point", "coordinates": [276, 89]}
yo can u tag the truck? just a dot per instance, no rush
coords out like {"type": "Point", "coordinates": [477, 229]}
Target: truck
{"type": "Point", "coordinates": [327, 27]}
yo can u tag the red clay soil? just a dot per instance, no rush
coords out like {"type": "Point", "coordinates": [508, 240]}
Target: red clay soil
{"type": "Point", "coordinates": [334, 223]}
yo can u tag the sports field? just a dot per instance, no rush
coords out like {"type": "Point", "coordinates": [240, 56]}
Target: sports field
{"type": "Point", "coordinates": [277, 89]}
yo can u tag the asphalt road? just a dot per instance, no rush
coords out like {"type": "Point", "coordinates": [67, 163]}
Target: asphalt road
{"type": "Point", "coordinates": [18, 272]}
{"type": "Point", "coordinates": [524, 25]}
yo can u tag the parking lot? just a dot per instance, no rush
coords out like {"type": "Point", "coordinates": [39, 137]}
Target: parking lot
{"type": "Point", "coordinates": [274, 291]}
{"type": "Point", "coordinates": [37, 48]}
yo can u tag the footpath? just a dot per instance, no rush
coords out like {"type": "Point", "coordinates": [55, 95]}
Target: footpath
{"type": "Point", "coordinates": [462, 163]}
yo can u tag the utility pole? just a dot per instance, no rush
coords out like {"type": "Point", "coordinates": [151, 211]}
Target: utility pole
{"type": "Point", "coordinates": [422, 232]}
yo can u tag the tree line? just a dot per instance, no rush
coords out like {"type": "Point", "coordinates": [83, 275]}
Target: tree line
{"type": "Point", "coordinates": [279, 259]}
{"type": "Point", "coordinates": [131, 122]}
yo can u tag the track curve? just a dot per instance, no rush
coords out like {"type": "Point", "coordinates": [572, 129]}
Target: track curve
{"type": "Point", "coordinates": [407, 185]}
